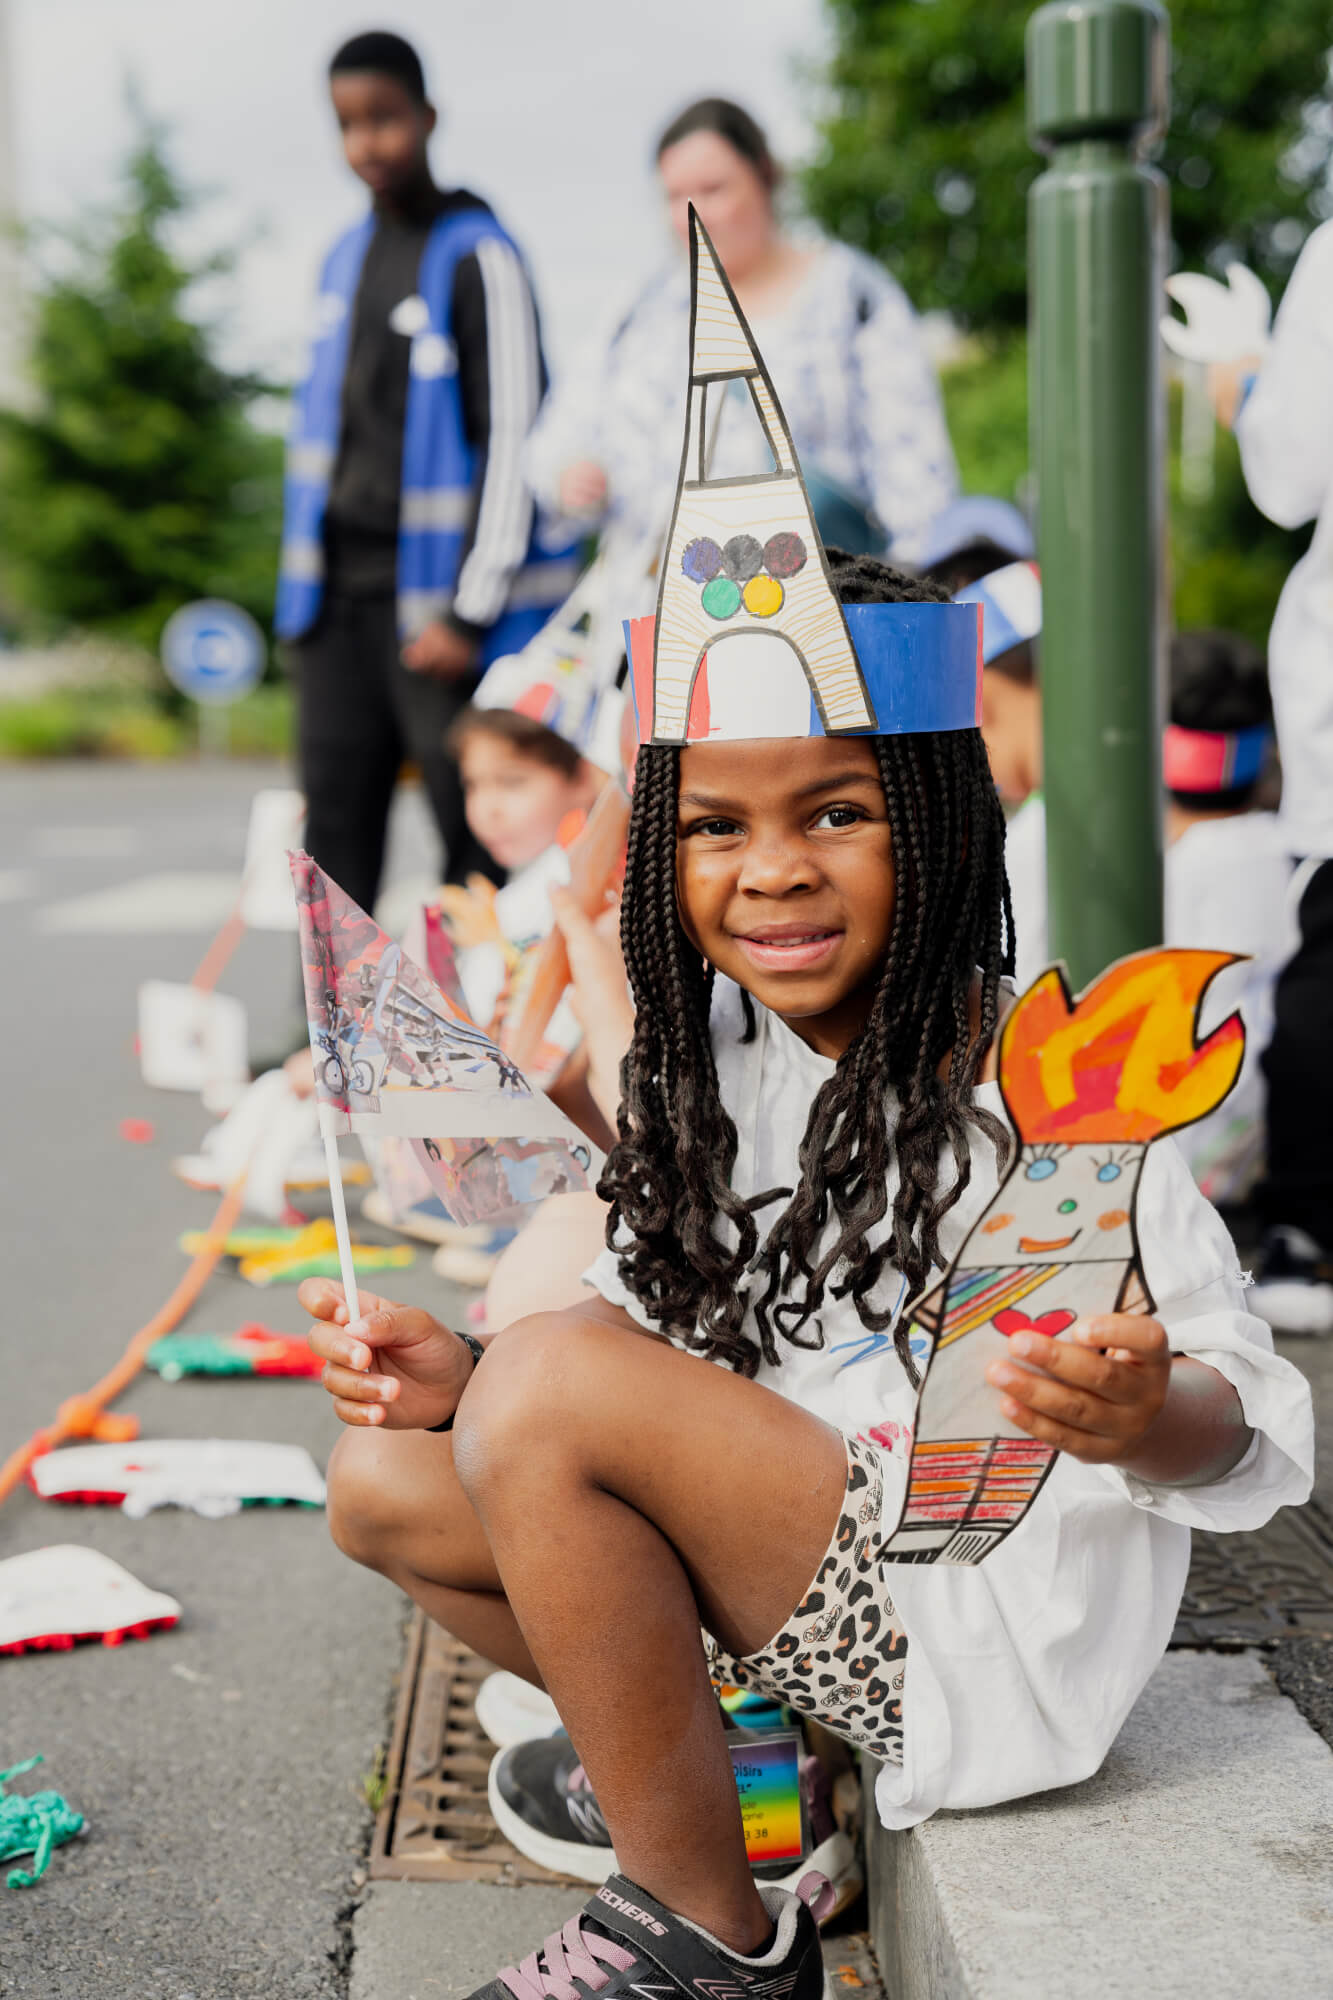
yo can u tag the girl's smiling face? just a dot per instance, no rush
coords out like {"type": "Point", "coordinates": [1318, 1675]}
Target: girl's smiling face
{"type": "Point", "coordinates": [785, 876]}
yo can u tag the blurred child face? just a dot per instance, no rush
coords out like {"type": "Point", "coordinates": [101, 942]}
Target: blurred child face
{"type": "Point", "coordinates": [785, 876]}
{"type": "Point", "coordinates": [384, 129]}
{"type": "Point", "coordinates": [514, 804]}
{"type": "Point", "coordinates": [1011, 725]}
{"type": "Point", "coordinates": [735, 205]}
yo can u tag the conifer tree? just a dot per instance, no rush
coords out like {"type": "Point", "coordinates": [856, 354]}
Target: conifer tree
{"type": "Point", "coordinates": [134, 478]}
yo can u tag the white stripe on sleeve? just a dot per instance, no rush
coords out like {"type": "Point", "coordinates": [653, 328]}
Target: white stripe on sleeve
{"type": "Point", "coordinates": [504, 516]}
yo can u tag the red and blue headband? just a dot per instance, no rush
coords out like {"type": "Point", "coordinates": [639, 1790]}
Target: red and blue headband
{"type": "Point", "coordinates": [1213, 760]}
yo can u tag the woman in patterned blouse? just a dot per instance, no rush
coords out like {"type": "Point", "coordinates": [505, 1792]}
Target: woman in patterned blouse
{"type": "Point", "coordinates": [842, 342]}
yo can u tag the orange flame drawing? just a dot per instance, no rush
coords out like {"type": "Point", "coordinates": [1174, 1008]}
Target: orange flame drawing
{"type": "Point", "coordinates": [1121, 1063]}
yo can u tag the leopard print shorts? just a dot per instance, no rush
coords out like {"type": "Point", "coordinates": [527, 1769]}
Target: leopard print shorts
{"type": "Point", "coordinates": [841, 1656]}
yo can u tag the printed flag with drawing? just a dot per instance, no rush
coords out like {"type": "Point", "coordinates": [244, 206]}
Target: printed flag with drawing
{"type": "Point", "coordinates": [397, 1059]}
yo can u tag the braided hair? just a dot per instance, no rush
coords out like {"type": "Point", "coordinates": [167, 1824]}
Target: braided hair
{"type": "Point", "coordinates": [668, 1179]}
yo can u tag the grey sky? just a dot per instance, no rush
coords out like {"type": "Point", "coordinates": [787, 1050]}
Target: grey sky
{"type": "Point", "coordinates": [548, 108]}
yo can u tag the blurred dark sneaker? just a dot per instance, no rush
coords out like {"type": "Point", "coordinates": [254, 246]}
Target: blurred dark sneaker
{"type": "Point", "coordinates": [544, 1804]}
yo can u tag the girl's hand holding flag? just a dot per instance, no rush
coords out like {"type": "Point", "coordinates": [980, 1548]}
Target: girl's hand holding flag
{"type": "Point", "coordinates": [394, 1366]}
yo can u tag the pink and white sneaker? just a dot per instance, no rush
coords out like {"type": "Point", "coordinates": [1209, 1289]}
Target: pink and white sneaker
{"type": "Point", "coordinates": [624, 1944]}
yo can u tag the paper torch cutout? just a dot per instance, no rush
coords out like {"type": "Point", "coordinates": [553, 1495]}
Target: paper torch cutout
{"type": "Point", "coordinates": [396, 1058]}
{"type": "Point", "coordinates": [1088, 1085]}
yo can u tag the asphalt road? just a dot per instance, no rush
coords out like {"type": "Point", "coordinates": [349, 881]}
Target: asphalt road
{"type": "Point", "coordinates": [218, 1765]}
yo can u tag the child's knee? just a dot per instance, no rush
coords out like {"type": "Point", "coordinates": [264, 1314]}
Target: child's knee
{"type": "Point", "coordinates": [363, 1506]}
{"type": "Point", "coordinates": [515, 1404]}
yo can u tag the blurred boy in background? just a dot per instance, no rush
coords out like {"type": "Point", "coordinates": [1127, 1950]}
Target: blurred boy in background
{"type": "Point", "coordinates": [410, 555]}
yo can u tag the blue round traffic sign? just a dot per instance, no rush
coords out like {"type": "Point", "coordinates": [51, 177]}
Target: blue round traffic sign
{"type": "Point", "coordinates": [212, 651]}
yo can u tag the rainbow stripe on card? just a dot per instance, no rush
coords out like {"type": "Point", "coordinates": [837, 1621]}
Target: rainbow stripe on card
{"type": "Point", "coordinates": [768, 1781]}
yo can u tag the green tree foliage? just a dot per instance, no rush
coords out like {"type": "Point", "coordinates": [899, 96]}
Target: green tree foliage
{"type": "Point", "coordinates": [135, 479]}
{"type": "Point", "coordinates": [1227, 562]}
{"type": "Point", "coordinates": [926, 161]}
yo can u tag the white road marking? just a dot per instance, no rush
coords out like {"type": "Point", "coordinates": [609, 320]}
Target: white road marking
{"type": "Point", "coordinates": [84, 843]}
{"type": "Point", "coordinates": [168, 902]}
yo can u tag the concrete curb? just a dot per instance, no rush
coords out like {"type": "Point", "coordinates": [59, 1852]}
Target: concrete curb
{"type": "Point", "coordinates": [1196, 1862]}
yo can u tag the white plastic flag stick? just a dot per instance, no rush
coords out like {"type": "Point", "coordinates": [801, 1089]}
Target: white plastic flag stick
{"type": "Point", "coordinates": [339, 1212]}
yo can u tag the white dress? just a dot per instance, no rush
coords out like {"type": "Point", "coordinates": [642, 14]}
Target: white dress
{"type": "Point", "coordinates": [1021, 1670]}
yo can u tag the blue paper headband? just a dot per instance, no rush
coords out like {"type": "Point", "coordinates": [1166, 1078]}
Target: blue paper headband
{"type": "Point", "coordinates": [920, 666]}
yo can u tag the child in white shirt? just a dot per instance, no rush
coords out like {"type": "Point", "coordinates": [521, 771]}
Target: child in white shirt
{"type": "Point", "coordinates": [815, 933]}
{"type": "Point", "coordinates": [526, 792]}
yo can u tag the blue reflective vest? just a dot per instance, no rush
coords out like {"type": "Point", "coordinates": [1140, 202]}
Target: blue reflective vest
{"type": "Point", "coordinates": [438, 491]}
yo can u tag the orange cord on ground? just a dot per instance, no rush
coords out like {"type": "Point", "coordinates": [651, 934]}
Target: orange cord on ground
{"type": "Point", "coordinates": [85, 1416]}
{"type": "Point", "coordinates": [214, 961]}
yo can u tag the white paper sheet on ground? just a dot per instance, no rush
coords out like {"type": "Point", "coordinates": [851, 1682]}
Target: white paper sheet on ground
{"type": "Point", "coordinates": [211, 1476]}
{"type": "Point", "coordinates": [67, 1592]}
{"type": "Point", "coordinates": [272, 1137]}
{"type": "Point", "coordinates": [267, 901]}
{"type": "Point", "coordinates": [189, 1040]}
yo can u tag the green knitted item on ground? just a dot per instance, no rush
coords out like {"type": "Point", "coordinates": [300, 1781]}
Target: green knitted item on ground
{"type": "Point", "coordinates": [33, 1825]}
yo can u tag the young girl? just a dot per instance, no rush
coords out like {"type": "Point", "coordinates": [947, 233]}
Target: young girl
{"type": "Point", "coordinates": [815, 931]}
{"type": "Point", "coordinates": [810, 1126]}
{"type": "Point", "coordinates": [526, 791]}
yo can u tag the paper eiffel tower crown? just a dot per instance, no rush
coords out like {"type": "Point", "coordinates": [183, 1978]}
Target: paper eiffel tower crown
{"type": "Point", "coordinates": [750, 639]}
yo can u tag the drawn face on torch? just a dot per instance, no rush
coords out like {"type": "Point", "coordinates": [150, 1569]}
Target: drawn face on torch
{"type": "Point", "coordinates": [1061, 1204]}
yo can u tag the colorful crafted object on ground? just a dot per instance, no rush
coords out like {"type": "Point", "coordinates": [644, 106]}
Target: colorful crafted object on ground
{"type": "Point", "coordinates": [1088, 1085]}
{"type": "Point", "coordinates": [282, 1256]}
{"type": "Point", "coordinates": [52, 1598]}
{"type": "Point", "coordinates": [33, 1823]}
{"type": "Point", "coordinates": [211, 1476]}
{"type": "Point", "coordinates": [251, 1350]}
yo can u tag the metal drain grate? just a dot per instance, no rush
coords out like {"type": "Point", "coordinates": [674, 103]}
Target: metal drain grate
{"type": "Point", "coordinates": [435, 1824]}
{"type": "Point", "coordinates": [1249, 1590]}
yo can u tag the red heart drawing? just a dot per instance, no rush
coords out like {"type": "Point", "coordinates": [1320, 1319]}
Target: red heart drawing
{"type": "Point", "coordinates": [1008, 1321]}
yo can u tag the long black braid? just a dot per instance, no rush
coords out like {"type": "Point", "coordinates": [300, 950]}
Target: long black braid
{"type": "Point", "coordinates": [669, 1178]}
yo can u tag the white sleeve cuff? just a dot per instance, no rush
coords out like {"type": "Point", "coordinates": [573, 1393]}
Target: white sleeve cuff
{"type": "Point", "coordinates": [1275, 1400]}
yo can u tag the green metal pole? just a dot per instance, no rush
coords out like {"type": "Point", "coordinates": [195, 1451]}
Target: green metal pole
{"type": "Point", "coordinates": [1096, 82]}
